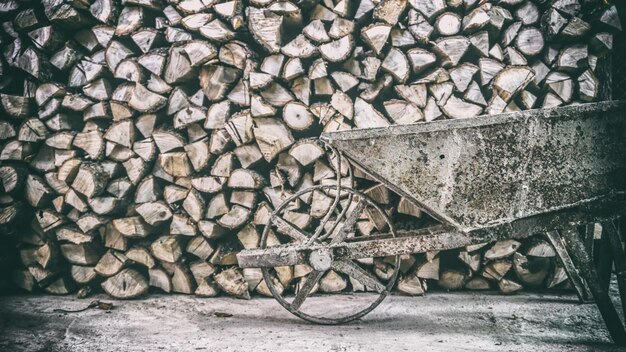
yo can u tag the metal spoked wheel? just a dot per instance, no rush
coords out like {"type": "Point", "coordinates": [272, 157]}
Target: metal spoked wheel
{"type": "Point", "coordinates": [333, 226]}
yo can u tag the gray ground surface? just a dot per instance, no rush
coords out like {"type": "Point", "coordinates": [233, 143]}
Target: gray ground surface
{"type": "Point", "coordinates": [438, 322]}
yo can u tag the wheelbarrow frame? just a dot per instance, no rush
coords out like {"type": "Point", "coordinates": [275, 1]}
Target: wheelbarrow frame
{"type": "Point", "coordinates": [600, 200]}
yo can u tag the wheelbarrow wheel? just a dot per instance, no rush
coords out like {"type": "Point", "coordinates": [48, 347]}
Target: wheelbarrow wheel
{"type": "Point", "coordinates": [335, 226]}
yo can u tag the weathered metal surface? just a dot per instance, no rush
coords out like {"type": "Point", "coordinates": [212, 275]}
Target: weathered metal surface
{"type": "Point", "coordinates": [491, 170]}
{"type": "Point", "coordinates": [584, 265]}
{"type": "Point", "coordinates": [433, 238]}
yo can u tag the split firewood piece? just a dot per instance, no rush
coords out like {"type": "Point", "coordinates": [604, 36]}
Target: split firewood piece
{"type": "Point", "coordinates": [462, 75]}
{"type": "Point", "coordinates": [332, 282]}
{"type": "Point", "coordinates": [475, 95]}
{"type": "Point", "coordinates": [245, 179]}
{"type": "Point", "coordinates": [561, 85]}
{"type": "Point", "coordinates": [458, 108]}
{"type": "Point", "coordinates": [194, 205]}
{"type": "Point", "coordinates": [217, 80]}
{"type": "Point", "coordinates": [235, 218]}
{"type": "Point", "coordinates": [277, 95]}
{"type": "Point", "coordinates": [408, 207]}
{"type": "Point", "coordinates": [87, 253]}
{"type": "Point", "coordinates": [497, 269]}
{"type": "Point", "coordinates": [452, 279]}
{"type": "Point", "coordinates": [475, 20]}
{"type": "Point", "coordinates": [507, 286]}
{"type": "Point", "coordinates": [316, 32]}
{"type": "Point", "coordinates": [472, 260]}
{"type": "Point", "coordinates": [127, 284]}
{"type": "Point", "coordinates": [502, 249]}
{"type": "Point", "coordinates": [272, 137]}
{"type": "Point", "coordinates": [557, 276]}
{"type": "Point", "coordinates": [297, 116]}
{"type": "Point", "coordinates": [111, 263]}
{"type": "Point", "coordinates": [572, 57]}
{"type": "Point", "coordinates": [448, 23]}
{"type": "Point", "coordinates": [397, 65]}
{"type": "Point", "coordinates": [210, 229]}
{"type": "Point", "coordinates": [430, 9]}
{"type": "Point", "coordinates": [540, 248]}
{"type": "Point", "coordinates": [477, 283]}
{"type": "Point", "coordinates": [182, 225]}
{"type": "Point", "coordinates": [451, 50]}
{"type": "Point", "coordinates": [338, 50]}
{"type": "Point", "coordinates": [366, 116]}
{"type": "Point", "coordinates": [72, 234]}
{"type": "Point", "coordinates": [411, 285]}
{"type": "Point", "coordinates": [376, 36]}
{"type": "Point", "coordinates": [389, 11]}
{"type": "Point", "coordinates": [610, 18]}
{"type": "Point", "coordinates": [83, 274]}
{"type": "Point", "coordinates": [403, 112]}
{"type": "Point", "coordinates": [45, 255]}
{"type": "Point", "coordinates": [217, 206]}
{"type": "Point", "coordinates": [217, 30]}
{"type": "Point", "coordinates": [91, 142]}
{"type": "Point", "coordinates": [266, 28]}
{"type": "Point", "coordinates": [428, 269]}
{"type": "Point", "coordinates": [306, 151]}
{"type": "Point", "coordinates": [531, 271]}
{"type": "Point", "coordinates": [154, 213]}
{"type": "Point", "coordinates": [489, 68]}
{"type": "Point", "coordinates": [132, 227]}
{"type": "Point", "coordinates": [176, 164]}
{"type": "Point", "coordinates": [300, 47]}
{"type": "Point", "coordinates": [233, 282]}
{"type": "Point", "coordinates": [182, 282]}
{"type": "Point", "coordinates": [207, 184]}
{"type": "Point", "coordinates": [90, 180]}
{"type": "Point", "coordinates": [511, 80]}
{"type": "Point", "coordinates": [140, 255]}
{"type": "Point", "coordinates": [207, 288]}
{"type": "Point", "coordinates": [588, 86]}
{"type": "Point", "coordinates": [143, 100]}
{"type": "Point", "coordinates": [37, 191]}
{"type": "Point", "coordinates": [253, 277]}
{"type": "Point", "coordinates": [529, 41]}
{"type": "Point", "coordinates": [160, 279]}
{"type": "Point", "coordinates": [414, 93]}
{"type": "Point", "coordinates": [167, 249]}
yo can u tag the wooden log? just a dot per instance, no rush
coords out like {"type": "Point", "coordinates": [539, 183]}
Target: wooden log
{"type": "Point", "coordinates": [127, 284]}
{"type": "Point", "coordinates": [232, 282]}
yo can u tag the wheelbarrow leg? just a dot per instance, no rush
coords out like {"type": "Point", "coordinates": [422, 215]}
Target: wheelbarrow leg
{"type": "Point", "coordinates": [604, 253]}
{"type": "Point", "coordinates": [581, 288]}
{"type": "Point", "coordinates": [620, 259]}
{"type": "Point", "coordinates": [583, 264]}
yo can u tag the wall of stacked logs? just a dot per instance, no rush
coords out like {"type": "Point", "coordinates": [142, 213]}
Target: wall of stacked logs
{"type": "Point", "coordinates": [143, 143]}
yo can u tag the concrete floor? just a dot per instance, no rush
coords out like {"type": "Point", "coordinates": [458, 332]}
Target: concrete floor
{"type": "Point", "coordinates": [438, 322]}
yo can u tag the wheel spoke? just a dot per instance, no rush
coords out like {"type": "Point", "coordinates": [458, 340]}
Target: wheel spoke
{"type": "Point", "coordinates": [312, 279]}
{"type": "Point", "coordinates": [348, 224]}
{"type": "Point", "coordinates": [289, 229]}
{"type": "Point", "coordinates": [356, 272]}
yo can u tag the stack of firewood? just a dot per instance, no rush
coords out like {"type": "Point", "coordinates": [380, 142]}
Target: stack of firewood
{"type": "Point", "coordinates": [147, 140]}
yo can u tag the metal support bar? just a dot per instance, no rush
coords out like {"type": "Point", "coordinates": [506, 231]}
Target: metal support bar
{"type": "Point", "coordinates": [582, 262]}
{"type": "Point", "coordinates": [604, 262]}
{"type": "Point", "coordinates": [420, 241]}
{"type": "Point", "coordinates": [620, 260]}
{"type": "Point", "coordinates": [568, 264]}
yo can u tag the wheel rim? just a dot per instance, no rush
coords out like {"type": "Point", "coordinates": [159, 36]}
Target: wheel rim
{"type": "Point", "coordinates": [296, 307]}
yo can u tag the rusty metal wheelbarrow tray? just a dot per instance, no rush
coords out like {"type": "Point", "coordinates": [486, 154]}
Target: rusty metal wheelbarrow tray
{"type": "Point", "coordinates": [495, 177]}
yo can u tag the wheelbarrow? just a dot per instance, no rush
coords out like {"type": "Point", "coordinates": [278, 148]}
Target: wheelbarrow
{"type": "Point", "coordinates": [497, 177]}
